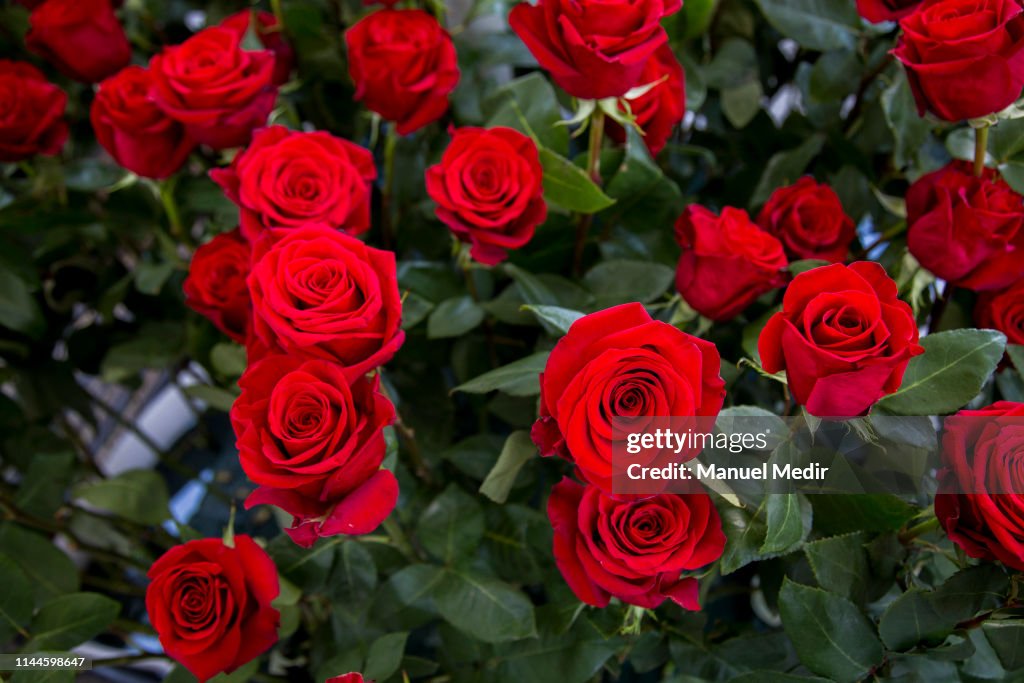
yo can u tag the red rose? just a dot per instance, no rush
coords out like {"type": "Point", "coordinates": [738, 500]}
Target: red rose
{"type": "Point", "coordinates": [216, 287]}
{"type": "Point", "coordinates": [32, 114]}
{"type": "Point", "coordinates": [659, 110]}
{"type": "Point", "coordinates": [310, 434]}
{"type": "Point", "coordinates": [347, 678]}
{"type": "Point", "coordinates": [210, 604]}
{"type": "Point", "coordinates": [964, 58]}
{"type": "Point", "coordinates": [81, 38]}
{"type": "Point", "coordinates": [593, 50]}
{"type": "Point", "coordinates": [286, 179]}
{"type": "Point", "coordinates": [269, 32]}
{"type": "Point", "coordinates": [634, 550]}
{"type": "Point", "coordinates": [135, 131]}
{"type": "Point", "coordinates": [982, 451]}
{"type": "Point", "coordinates": [320, 292]}
{"type": "Point", "coordinates": [809, 220]}
{"type": "Point", "coordinates": [619, 363]}
{"type": "Point", "coordinates": [727, 261]}
{"type": "Point", "coordinates": [877, 11]}
{"type": "Point", "coordinates": [488, 190]}
{"type": "Point", "coordinates": [404, 66]}
{"type": "Point", "coordinates": [843, 337]}
{"type": "Point", "coordinates": [1003, 311]}
{"type": "Point", "coordinates": [218, 90]}
{"type": "Point", "coordinates": [967, 230]}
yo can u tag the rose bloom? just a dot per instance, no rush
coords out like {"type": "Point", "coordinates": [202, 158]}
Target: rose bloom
{"type": "Point", "coordinates": [81, 38]}
{"type": "Point", "coordinates": [727, 261]}
{"type": "Point", "coordinates": [219, 91]}
{"type": "Point", "coordinates": [320, 292]}
{"type": "Point", "coordinates": [843, 337]}
{"type": "Point", "coordinates": [404, 66]}
{"type": "Point", "coordinates": [964, 58]}
{"type": "Point", "coordinates": [982, 451]}
{"type": "Point", "coordinates": [488, 190]}
{"type": "Point", "coordinates": [809, 220]}
{"type": "Point", "coordinates": [619, 363]}
{"type": "Point", "coordinates": [31, 113]}
{"type": "Point", "coordinates": [634, 550]}
{"type": "Point", "coordinates": [310, 434]}
{"type": "Point", "coordinates": [210, 604]}
{"type": "Point", "coordinates": [877, 11]}
{"type": "Point", "coordinates": [593, 49]}
{"type": "Point", "coordinates": [347, 678]}
{"type": "Point", "coordinates": [1003, 311]}
{"type": "Point", "coordinates": [269, 33]}
{"type": "Point", "coordinates": [135, 131]}
{"type": "Point", "coordinates": [967, 230]}
{"type": "Point", "coordinates": [659, 110]}
{"type": "Point", "coordinates": [216, 284]}
{"type": "Point", "coordinates": [286, 179]}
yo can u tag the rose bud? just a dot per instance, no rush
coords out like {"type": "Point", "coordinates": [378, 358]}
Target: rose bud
{"type": "Point", "coordinates": [809, 220]}
{"type": "Point", "coordinates": [347, 678]}
{"type": "Point", "coordinates": [634, 550]}
{"type": "Point", "coordinates": [979, 501]}
{"type": "Point", "coordinates": [81, 38]}
{"type": "Point", "coordinates": [967, 230]}
{"type": "Point", "coordinates": [310, 433]}
{"type": "Point", "coordinates": [210, 604]}
{"type": "Point", "coordinates": [219, 91]}
{"type": "Point", "coordinates": [593, 50]}
{"type": "Point", "coordinates": [216, 284]}
{"type": "Point", "coordinates": [319, 292]}
{"type": "Point", "coordinates": [286, 179]}
{"type": "Point", "coordinates": [727, 261]}
{"type": "Point", "coordinates": [619, 363]}
{"type": "Point", "coordinates": [404, 66]}
{"type": "Point", "coordinates": [877, 11]}
{"type": "Point", "coordinates": [268, 30]}
{"type": "Point", "coordinates": [488, 190]}
{"type": "Point", "coordinates": [964, 58]}
{"type": "Point", "coordinates": [1003, 311]}
{"type": "Point", "coordinates": [32, 115]}
{"type": "Point", "coordinates": [843, 337]}
{"type": "Point", "coordinates": [659, 110]}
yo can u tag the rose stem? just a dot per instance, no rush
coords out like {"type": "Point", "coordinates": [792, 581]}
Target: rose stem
{"type": "Point", "coordinates": [166, 191]}
{"type": "Point", "coordinates": [390, 144]}
{"type": "Point", "coordinates": [393, 528]}
{"type": "Point", "coordinates": [919, 530]}
{"type": "Point", "coordinates": [980, 149]}
{"type": "Point", "coordinates": [594, 169]}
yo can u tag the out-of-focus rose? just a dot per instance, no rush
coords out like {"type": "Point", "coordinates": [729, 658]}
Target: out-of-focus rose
{"type": "Point", "coordinates": [31, 113]}
{"type": "Point", "coordinates": [809, 220]}
{"type": "Point", "coordinates": [81, 38]}
{"type": "Point", "coordinates": [216, 284]}
{"type": "Point", "coordinates": [877, 11]}
{"type": "Point", "coordinates": [1003, 311]}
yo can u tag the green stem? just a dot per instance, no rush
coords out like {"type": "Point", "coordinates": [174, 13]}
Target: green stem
{"type": "Point", "coordinates": [980, 149]}
{"type": "Point", "coordinates": [394, 530]}
{"type": "Point", "coordinates": [594, 169]}
{"type": "Point", "coordinates": [921, 529]}
{"type": "Point", "coordinates": [275, 7]}
{"type": "Point", "coordinates": [386, 228]}
{"type": "Point", "coordinates": [166, 190]}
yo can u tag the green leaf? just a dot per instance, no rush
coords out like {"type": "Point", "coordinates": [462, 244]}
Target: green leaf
{"type": "Point", "coordinates": [873, 512]}
{"type": "Point", "coordinates": [51, 676]}
{"type": "Point", "coordinates": [70, 620]}
{"type": "Point", "coordinates": [50, 572]}
{"type": "Point", "coordinates": [911, 619]}
{"type": "Point", "coordinates": [529, 105]}
{"type": "Point", "coordinates": [696, 17]}
{"type": "Point", "coordinates": [1016, 354]}
{"type": "Point", "coordinates": [1007, 639]}
{"type": "Point", "coordinates": [41, 490]}
{"type": "Point", "coordinates": [305, 567]}
{"type": "Point", "coordinates": [815, 24]}
{"type": "Point", "coordinates": [568, 186]}
{"type": "Point", "coordinates": [788, 522]}
{"type": "Point", "coordinates": [150, 277]}
{"type": "Point", "coordinates": [644, 195]}
{"type": "Point", "coordinates": [555, 319]}
{"type": "Point", "coordinates": [1006, 139]}
{"type": "Point", "coordinates": [532, 289]}
{"type": "Point", "coordinates": [488, 609]}
{"type": "Point", "coordinates": [1013, 174]}
{"type": "Point", "coordinates": [802, 266]}
{"type": "Point", "coordinates": [620, 281]}
{"type": "Point", "coordinates": [214, 397]}
{"type": "Point", "coordinates": [139, 495]}
{"type": "Point", "coordinates": [353, 577]}
{"type": "Point", "coordinates": [385, 656]}
{"type": "Point", "coordinates": [831, 636]}
{"type": "Point", "coordinates": [18, 308]}
{"type": "Point", "coordinates": [519, 378]}
{"type": "Point", "coordinates": [15, 599]}
{"type": "Point", "coordinates": [741, 103]}
{"type": "Point", "coordinates": [909, 131]}
{"type": "Point", "coordinates": [228, 359]}
{"type": "Point", "coordinates": [452, 526]}
{"type": "Point", "coordinates": [840, 564]}
{"type": "Point", "coordinates": [454, 317]}
{"type": "Point", "coordinates": [415, 585]}
{"type": "Point", "coordinates": [518, 451]}
{"type": "Point", "coordinates": [951, 371]}
{"type": "Point", "coordinates": [746, 533]}
{"type": "Point", "coordinates": [785, 168]}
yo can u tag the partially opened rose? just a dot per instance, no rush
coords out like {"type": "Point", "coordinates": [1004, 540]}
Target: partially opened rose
{"type": "Point", "coordinates": [980, 501]}
{"type": "Point", "coordinates": [809, 220]}
{"type": "Point", "coordinates": [619, 363]}
{"type": "Point", "coordinates": [964, 58]}
{"type": "Point", "coordinates": [634, 550]}
{"type": "Point", "coordinates": [81, 38]}
{"type": "Point", "coordinates": [659, 110]}
{"type": "Point", "coordinates": [209, 604]}
{"type": "Point", "coordinates": [1003, 311]}
{"type": "Point", "coordinates": [216, 284]}
{"type": "Point", "coordinates": [310, 434]}
{"type": "Point", "coordinates": [843, 337]}
{"type": "Point", "coordinates": [965, 229]}
{"type": "Point", "coordinates": [593, 49]}
{"type": "Point", "coordinates": [31, 113]}
{"type": "Point", "coordinates": [319, 292]}
{"type": "Point", "coordinates": [219, 91]}
{"type": "Point", "coordinates": [286, 179]}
